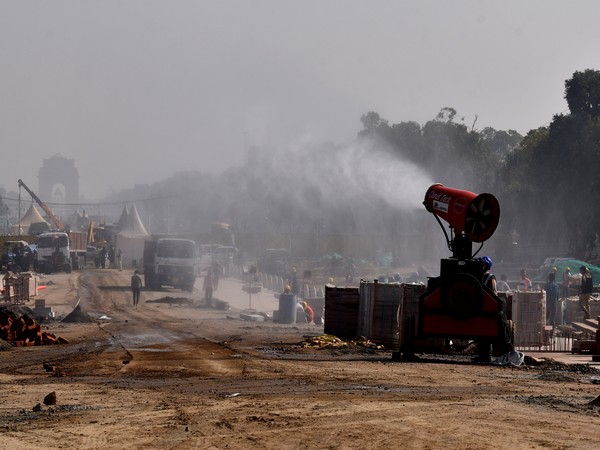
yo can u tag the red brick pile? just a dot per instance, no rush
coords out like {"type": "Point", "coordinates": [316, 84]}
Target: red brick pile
{"type": "Point", "coordinates": [23, 331]}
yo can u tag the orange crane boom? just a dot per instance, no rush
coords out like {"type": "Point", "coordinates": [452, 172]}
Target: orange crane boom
{"type": "Point", "coordinates": [56, 222]}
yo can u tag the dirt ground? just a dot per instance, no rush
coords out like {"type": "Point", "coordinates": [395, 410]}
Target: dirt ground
{"type": "Point", "coordinates": [185, 376]}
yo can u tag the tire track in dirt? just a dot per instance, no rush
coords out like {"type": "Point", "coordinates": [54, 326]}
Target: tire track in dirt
{"type": "Point", "coordinates": [154, 343]}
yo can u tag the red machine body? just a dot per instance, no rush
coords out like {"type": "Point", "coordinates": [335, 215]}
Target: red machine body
{"type": "Point", "coordinates": [457, 304]}
{"type": "Point", "coordinates": [475, 215]}
{"type": "Point", "coordinates": [460, 307]}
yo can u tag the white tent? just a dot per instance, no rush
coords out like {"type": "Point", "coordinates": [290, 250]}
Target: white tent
{"type": "Point", "coordinates": [123, 219]}
{"type": "Point", "coordinates": [31, 216]}
{"type": "Point", "coordinates": [130, 239]}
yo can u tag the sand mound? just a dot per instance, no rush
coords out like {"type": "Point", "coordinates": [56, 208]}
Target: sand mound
{"type": "Point", "coordinates": [78, 316]}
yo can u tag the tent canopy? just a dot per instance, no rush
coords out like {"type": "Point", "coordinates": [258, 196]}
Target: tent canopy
{"type": "Point", "coordinates": [133, 227]}
{"type": "Point", "coordinates": [31, 216]}
{"type": "Point", "coordinates": [123, 219]}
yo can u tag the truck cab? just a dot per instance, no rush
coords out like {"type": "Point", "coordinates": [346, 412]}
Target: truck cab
{"type": "Point", "coordinates": [170, 262]}
{"type": "Point", "coordinates": [53, 252]}
{"type": "Point", "coordinates": [225, 257]}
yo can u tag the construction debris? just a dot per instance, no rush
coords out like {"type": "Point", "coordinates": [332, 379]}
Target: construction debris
{"type": "Point", "coordinates": [173, 301]}
{"type": "Point", "coordinates": [331, 341]}
{"type": "Point", "coordinates": [23, 331]}
{"type": "Point", "coordinates": [251, 316]}
{"type": "Point", "coordinates": [50, 399]}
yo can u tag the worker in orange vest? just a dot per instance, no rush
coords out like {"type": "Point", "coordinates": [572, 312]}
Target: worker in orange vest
{"type": "Point", "coordinates": [310, 314]}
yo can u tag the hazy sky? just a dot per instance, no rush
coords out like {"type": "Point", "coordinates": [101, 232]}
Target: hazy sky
{"type": "Point", "coordinates": [137, 90]}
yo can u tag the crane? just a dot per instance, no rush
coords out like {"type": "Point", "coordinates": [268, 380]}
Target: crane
{"type": "Point", "coordinates": [56, 222]}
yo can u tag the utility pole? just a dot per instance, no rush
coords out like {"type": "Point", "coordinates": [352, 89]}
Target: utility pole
{"type": "Point", "coordinates": [19, 211]}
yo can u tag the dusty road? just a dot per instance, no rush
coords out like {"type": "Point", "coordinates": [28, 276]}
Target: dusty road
{"type": "Point", "coordinates": [163, 376]}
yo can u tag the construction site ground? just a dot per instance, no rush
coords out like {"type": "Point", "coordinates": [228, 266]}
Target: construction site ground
{"type": "Point", "coordinates": [173, 373]}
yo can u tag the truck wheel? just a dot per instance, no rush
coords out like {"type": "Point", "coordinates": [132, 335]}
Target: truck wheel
{"type": "Point", "coordinates": [149, 281]}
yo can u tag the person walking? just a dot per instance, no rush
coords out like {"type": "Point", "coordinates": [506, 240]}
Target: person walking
{"type": "Point", "coordinates": [208, 289]}
{"type": "Point", "coordinates": [136, 287]}
{"type": "Point", "coordinates": [585, 292]}
{"type": "Point", "coordinates": [120, 259]}
{"type": "Point", "coordinates": [216, 273]}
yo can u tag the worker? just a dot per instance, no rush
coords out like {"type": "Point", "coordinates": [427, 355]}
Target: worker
{"type": "Point", "coordinates": [552, 273]}
{"type": "Point", "coordinates": [111, 256]}
{"type": "Point", "coordinates": [120, 259]}
{"type": "Point", "coordinates": [208, 288]}
{"type": "Point", "coordinates": [502, 285]}
{"type": "Point", "coordinates": [567, 280]}
{"type": "Point", "coordinates": [524, 282]}
{"type": "Point", "coordinates": [217, 271]}
{"type": "Point", "coordinates": [136, 287]}
{"type": "Point", "coordinates": [585, 291]}
{"type": "Point", "coordinates": [310, 314]}
{"type": "Point", "coordinates": [103, 256]}
{"type": "Point", "coordinates": [294, 282]}
{"type": "Point", "coordinates": [488, 279]}
{"type": "Point", "coordinates": [565, 293]}
{"type": "Point", "coordinates": [552, 295]}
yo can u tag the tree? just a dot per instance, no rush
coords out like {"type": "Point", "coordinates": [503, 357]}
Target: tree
{"type": "Point", "coordinates": [501, 143]}
{"type": "Point", "coordinates": [551, 178]}
{"type": "Point", "coordinates": [582, 93]}
{"type": "Point", "coordinates": [372, 122]}
{"type": "Point", "coordinates": [446, 114]}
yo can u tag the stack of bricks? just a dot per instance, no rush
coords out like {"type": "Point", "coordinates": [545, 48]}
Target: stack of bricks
{"type": "Point", "coordinates": [23, 331]}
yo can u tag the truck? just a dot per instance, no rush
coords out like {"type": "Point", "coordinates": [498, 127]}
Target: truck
{"type": "Point", "coordinates": [224, 256]}
{"type": "Point", "coordinates": [170, 262]}
{"type": "Point", "coordinates": [60, 251]}
{"type": "Point", "coordinates": [53, 252]}
{"type": "Point", "coordinates": [78, 248]}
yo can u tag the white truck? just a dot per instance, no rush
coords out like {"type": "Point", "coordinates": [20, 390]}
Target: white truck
{"type": "Point", "coordinates": [170, 262]}
{"type": "Point", "coordinates": [53, 252]}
